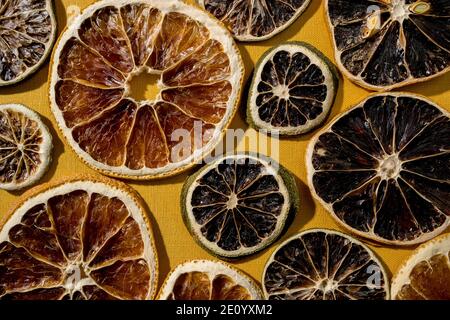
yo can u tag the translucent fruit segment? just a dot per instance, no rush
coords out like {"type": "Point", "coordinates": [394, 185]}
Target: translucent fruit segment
{"type": "Point", "coordinates": [95, 293]}
{"type": "Point", "coordinates": [104, 33]}
{"type": "Point", "coordinates": [36, 24]}
{"type": "Point", "coordinates": [192, 286]}
{"type": "Point", "coordinates": [224, 288]}
{"type": "Point", "coordinates": [37, 294]}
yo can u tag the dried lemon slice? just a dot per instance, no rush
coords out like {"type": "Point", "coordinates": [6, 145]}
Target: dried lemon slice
{"type": "Point", "coordinates": [27, 33]}
{"type": "Point", "coordinates": [381, 169]}
{"type": "Point", "coordinates": [82, 238]}
{"type": "Point", "coordinates": [255, 20]}
{"type": "Point", "coordinates": [387, 44]}
{"type": "Point", "coordinates": [111, 42]}
{"type": "Point", "coordinates": [208, 280]}
{"type": "Point", "coordinates": [293, 89]}
{"type": "Point", "coordinates": [25, 147]}
{"type": "Point", "coordinates": [321, 264]}
{"type": "Point", "coordinates": [426, 273]}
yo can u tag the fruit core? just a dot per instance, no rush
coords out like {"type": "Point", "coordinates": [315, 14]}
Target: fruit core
{"type": "Point", "coordinates": [401, 10]}
{"type": "Point", "coordinates": [281, 91]}
{"type": "Point", "coordinates": [232, 201]}
{"type": "Point", "coordinates": [390, 167]}
{"type": "Point", "coordinates": [327, 285]}
{"type": "Point", "coordinates": [75, 273]}
{"type": "Point", "coordinates": [143, 85]}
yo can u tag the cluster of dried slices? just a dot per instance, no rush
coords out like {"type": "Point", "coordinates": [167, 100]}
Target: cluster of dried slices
{"type": "Point", "coordinates": [83, 238]}
{"type": "Point", "coordinates": [109, 43]}
{"type": "Point", "coordinates": [386, 44]}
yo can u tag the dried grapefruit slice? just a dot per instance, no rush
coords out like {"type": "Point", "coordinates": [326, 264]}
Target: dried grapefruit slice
{"type": "Point", "coordinates": [208, 280]}
{"type": "Point", "coordinates": [25, 147]}
{"type": "Point", "coordinates": [27, 33]}
{"type": "Point", "coordinates": [112, 42]}
{"type": "Point", "coordinates": [382, 169]}
{"type": "Point", "coordinates": [426, 274]}
{"type": "Point", "coordinates": [239, 204]}
{"type": "Point", "coordinates": [386, 44]}
{"type": "Point", "coordinates": [255, 20]}
{"type": "Point", "coordinates": [293, 89]}
{"type": "Point", "coordinates": [82, 238]}
{"type": "Point", "coordinates": [321, 264]}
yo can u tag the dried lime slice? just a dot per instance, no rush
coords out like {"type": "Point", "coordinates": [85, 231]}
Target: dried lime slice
{"type": "Point", "coordinates": [321, 264]}
{"type": "Point", "coordinates": [27, 33]}
{"type": "Point", "coordinates": [293, 89]}
{"type": "Point", "coordinates": [25, 147]}
{"type": "Point", "coordinates": [239, 204]}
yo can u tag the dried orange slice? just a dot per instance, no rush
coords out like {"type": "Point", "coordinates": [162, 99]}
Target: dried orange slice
{"type": "Point", "coordinates": [255, 20]}
{"type": "Point", "coordinates": [81, 238]}
{"type": "Point", "coordinates": [382, 169]}
{"type": "Point", "coordinates": [27, 33]}
{"type": "Point", "coordinates": [200, 75]}
{"type": "Point", "coordinates": [25, 147]}
{"type": "Point", "coordinates": [426, 274]}
{"type": "Point", "coordinates": [208, 280]}
{"type": "Point", "coordinates": [321, 264]}
{"type": "Point", "coordinates": [386, 44]}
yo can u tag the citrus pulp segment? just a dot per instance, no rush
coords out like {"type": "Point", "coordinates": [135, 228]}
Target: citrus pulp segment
{"type": "Point", "coordinates": [321, 264]}
{"type": "Point", "coordinates": [81, 238]}
{"type": "Point", "coordinates": [239, 204]}
{"type": "Point", "coordinates": [113, 41]}
{"type": "Point", "coordinates": [386, 44]}
{"type": "Point", "coordinates": [425, 275]}
{"type": "Point", "coordinates": [255, 20]}
{"type": "Point", "coordinates": [293, 89]}
{"type": "Point", "coordinates": [25, 147]}
{"type": "Point", "coordinates": [208, 280]}
{"type": "Point", "coordinates": [382, 169]}
{"type": "Point", "coordinates": [27, 33]}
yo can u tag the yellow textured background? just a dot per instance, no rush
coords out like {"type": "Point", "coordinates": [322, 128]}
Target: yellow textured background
{"type": "Point", "coordinates": [174, 243]}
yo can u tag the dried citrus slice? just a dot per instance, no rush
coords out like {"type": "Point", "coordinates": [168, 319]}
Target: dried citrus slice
{"type": "Point", "coordinates": [381, 169]}
{"type": "Point", "coordinates": [293, 89]}
{"type": "Point", "coordinates": [27, 33]}
{"type": "Point", "coordinates": [386, 44]}
{"type": "Point", "coordinates": [25, 147]}
{"type": "Point", "coordinates": [81, 238]}
{"type": "Point", "coordinates": [208, 280]}
{"type": "Point", "coordinates": [200, 73]}
{"type": "Point", "coordinates": [239, 204]}
{"type": "Point", "coordinates": [255, 20]}
{"type": "Point", "coordinates": [426, 274]}
{"type": "Point", "coordinates": [321, 264]}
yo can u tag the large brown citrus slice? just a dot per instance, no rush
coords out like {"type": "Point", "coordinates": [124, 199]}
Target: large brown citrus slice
{"type": "Point", "coordinates": [426, 274]}
{"type": "Point", "coordinates": [255, 20]}
{"type": "Point", "coordinates": [208, 280]}
{"type": "Point", "coordinates": [386, 44]}
{"type": "Point", "coordinates": [382, 169]}
{"type": "Point", "coordinates": [25, 147]}
{"type": "Point", "coordinates": [321, 264]}
{"type": "Point", "coordinates": [81, 238]}
{"type": "Point", "coordinates": [200, 73]}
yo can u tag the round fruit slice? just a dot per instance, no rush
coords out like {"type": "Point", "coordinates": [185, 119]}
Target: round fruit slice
{"type": "Point", "coordinates": [321, 264]}
{"type": "Point", "coordinates": [27, 33]}
{"type": "Point", "coordinates": [99, 55]}
{"type": "Point", "coordinates": [81, 239]}
{"type": "Point", "coordinates": [426, 274]}
{"type": "Point", "coordinates": [208, 280]}
{"type": "Point", "coordinates": [382, 169]}
{"type": "Point", "coordinates": [386, 44]}
{"type": "Point", "coordinates": [25, 147]}
{"type": "Point", "coordinates": [255, 20]}
{"type": "Point", "coordinates": [239, 204]}
{"type": "Point", "coordinates": [293, 89]}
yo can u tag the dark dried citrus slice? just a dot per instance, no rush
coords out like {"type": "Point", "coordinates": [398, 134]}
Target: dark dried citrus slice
{"type": "Point", "coordinates": [25, 147]}
{"type": "Point", "coordinates": [92, 91]}
{"type": "Point", "coordinates": [293, 89]}
{"type": "Point", "coordinates": [255, 20]}
{"type": "Point", "coordinates": [321, 264]}
{"type": "Point", "coordinates": [386, 44]}
{"type": "Point", "coordinates": [426, 273]}
{"type": "Point", "coordinates": [208, 280]}
{"type": "Point", "coordinates": [382, 169]}
{"type": "Point", "coordinates": [27, 33]}
{"type": "Point", "coordinates": [239, 204]}
{"type": "Point", "coordinates": [81, 238]}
